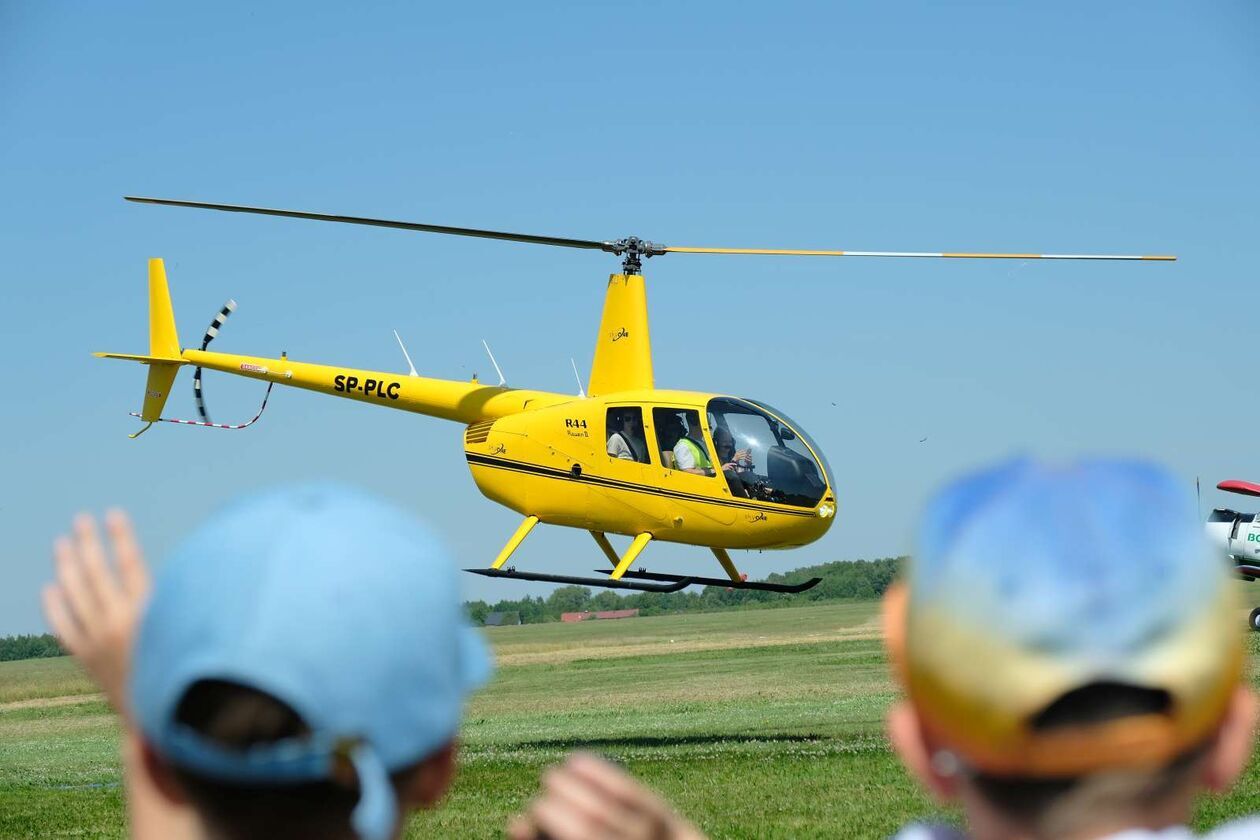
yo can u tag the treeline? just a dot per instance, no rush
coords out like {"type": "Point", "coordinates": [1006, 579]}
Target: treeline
{"type": "Point", "coordinates": [29, 647]}
{"type": "Point", "coordinates": [843, 579]}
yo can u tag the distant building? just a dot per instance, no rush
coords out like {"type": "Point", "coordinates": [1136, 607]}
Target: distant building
{"type": "Point", "coordinates": [617, 614]}
{"type": "Point", "coordinates": [571, 617]}
{"type": "Point", "coordinates": [501, 619]}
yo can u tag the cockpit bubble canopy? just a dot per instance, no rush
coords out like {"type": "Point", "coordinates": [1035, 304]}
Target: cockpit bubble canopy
{"type": "Point", "coordinates": [764, 455]}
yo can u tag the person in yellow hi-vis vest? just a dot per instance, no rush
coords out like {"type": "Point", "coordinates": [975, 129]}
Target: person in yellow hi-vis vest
{"type": "Point", "coordinates": [690, 452]}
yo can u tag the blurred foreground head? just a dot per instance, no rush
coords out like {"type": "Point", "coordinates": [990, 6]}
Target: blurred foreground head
{"type": "Point", "coordinates": [303, 665]}
{"type": "Point", "coordinates": [1059, 623]}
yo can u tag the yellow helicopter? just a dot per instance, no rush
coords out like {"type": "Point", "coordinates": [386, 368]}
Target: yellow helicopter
{"type": "Point", "coordinates": [621, 457]}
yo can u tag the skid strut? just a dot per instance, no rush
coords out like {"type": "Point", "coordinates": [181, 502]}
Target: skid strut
{"type": "Point", "coordinates": [635, 549]}
{"type": "Point", "coordinates": [621, 576]}
{"type": "Point", "coordinates": [522, 531]}
{"type": "Point", "coordinates": [727, 565]}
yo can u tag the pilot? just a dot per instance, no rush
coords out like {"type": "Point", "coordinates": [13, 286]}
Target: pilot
{"type": "Point", "coordinates": [690, 452]}
{"type": "Point", "coordinates": [625, 439]}
{"type": "Point", "coordinates": [734, 461]}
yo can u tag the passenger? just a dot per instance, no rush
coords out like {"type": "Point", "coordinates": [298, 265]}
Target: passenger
{"type": "Point", "coordinates": [625, 438]}
{"type": "Point", "coordinates": [1061, 681]}
{"type": "Point", "coordinates": [690, 452]}
{"type": "Point", "coordinates": [669, 429]}
{"type": "Point", "coordinates": [299, 671]}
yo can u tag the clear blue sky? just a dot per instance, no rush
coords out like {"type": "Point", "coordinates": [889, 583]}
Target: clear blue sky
{"type": "Point", "coordinates": [1129, 127]}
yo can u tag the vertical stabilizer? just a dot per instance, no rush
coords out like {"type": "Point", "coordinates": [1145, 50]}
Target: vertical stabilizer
{"type": "Point", "coordinates": [164, 357]}
{"type": "Point", "coordinates": [163, 340]}
{"type": "Point", "coordinates": [163, 343]}
{"type": "Point", "coordinates": [623, 350]}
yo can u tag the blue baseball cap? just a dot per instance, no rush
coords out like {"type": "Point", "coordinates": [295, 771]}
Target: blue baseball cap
{"type": "Point", "coordinates": [1031, 580]}
{"type": "Point", "coordinates": [340, 605]}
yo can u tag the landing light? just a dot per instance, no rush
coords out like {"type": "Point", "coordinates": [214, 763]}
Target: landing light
{"type": "Point", "coordinates": [827, 510]}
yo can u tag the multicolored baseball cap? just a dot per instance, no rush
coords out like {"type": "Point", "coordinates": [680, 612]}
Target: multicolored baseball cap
{"type": "Point", "coordinates": [1031, 581]}
{"type": "Point", "coordinates": [342, 606]}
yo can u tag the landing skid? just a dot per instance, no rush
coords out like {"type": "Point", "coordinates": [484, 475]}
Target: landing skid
{"type": "Point", "coordinates": [667, 583]}
{"type": "Point", "coordinates": [759, 585]}
{"type": "Point", "coordinates": [607, 583]}
{"type": "Point", "coordinates": [621, 569]}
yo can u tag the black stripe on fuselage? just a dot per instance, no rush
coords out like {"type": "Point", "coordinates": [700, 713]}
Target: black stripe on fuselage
{"type": "Point", "coordinates": [600, 481]}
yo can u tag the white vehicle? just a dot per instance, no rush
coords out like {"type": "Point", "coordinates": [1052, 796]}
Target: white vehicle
{"type": "Point", "coordinates": [1238, 534]}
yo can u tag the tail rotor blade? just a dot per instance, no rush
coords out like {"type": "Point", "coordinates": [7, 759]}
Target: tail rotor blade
{"type": "Point", "coordinates": [201, 403]}
{"type": "Point", "coordinates": [217, 323]}
{"type": "Point", "coordinates": [211, 332]}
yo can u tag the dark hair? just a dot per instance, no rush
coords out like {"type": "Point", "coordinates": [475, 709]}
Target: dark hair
{"type": "Point", "coordinates": [621, 416]}
{"type": "Point", "coordinates": [669, 431]}
{"type": "Point", "coordinates": [238, 717]}
{"type": "Point", "coordinates": [1027, 800]}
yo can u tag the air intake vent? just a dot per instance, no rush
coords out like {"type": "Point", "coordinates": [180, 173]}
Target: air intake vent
{"type": "Point", "coordinates": [478, 432]}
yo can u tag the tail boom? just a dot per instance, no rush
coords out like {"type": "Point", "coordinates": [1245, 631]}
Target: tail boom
{"type": "Point", "coordinates": [462, 402]}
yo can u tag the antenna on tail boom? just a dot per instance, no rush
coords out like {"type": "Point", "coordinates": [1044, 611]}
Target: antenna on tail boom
{"type": "Point", "coordinates": [502, 379]}
{"type": "Point", "coordinates": [578, 377]}
{"type": "Point", "coordinates": [411, 369]}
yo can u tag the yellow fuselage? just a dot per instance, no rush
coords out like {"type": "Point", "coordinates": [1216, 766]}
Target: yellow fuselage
{"type": "Point", "coordinates": [552, 462]}
{"type": "Point", "coordinates": [544, 454]}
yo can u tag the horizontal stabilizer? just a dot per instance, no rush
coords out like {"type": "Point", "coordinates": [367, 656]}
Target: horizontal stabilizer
{"type": "Point", "coordinates": [132, 357]}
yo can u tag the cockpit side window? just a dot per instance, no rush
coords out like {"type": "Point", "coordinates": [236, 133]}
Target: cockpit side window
{"type": "Point", "coordinates": [624, 430]}
{"type": "Point", "coordinates": [680, 440]}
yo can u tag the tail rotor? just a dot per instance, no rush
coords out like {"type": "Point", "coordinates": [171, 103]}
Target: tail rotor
{"type": "Point", "coordinates": [211, 332]}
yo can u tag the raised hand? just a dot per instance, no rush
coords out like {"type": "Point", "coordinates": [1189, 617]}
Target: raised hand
{"type": "Point", "coordinates": [588, 797]}
{"type": "Point", "coordinates": [94, 606]}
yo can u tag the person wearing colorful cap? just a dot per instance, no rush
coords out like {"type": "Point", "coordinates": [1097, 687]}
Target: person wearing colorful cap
{"type": "Point", "coordinates": [1072, 662]}
{"type": "Point", "coordinates": [1070, 655]}
{"type": "Point", "coordinates": [300, 669]}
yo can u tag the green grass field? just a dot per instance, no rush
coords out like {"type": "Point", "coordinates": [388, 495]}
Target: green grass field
{"type": "Point", "coordinates": [761, 723]}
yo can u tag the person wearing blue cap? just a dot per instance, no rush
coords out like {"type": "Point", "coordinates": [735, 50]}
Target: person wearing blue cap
{"type": "Point", "coordinates": [300, 668]}
{"type": "Point", "coordinates": [1070, 652]}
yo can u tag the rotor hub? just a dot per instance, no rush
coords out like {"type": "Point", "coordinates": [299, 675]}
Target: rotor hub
{"type": "Point", "coordinates": [633, 251]}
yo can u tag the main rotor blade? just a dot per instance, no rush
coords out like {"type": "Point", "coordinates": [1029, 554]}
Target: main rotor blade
{"type": "Point", "coordinates": [957, 255]}
{"type": "Point", "coordinates": [359, 220]}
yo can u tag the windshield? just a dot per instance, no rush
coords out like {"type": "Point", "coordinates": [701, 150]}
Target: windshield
{"type": "Point", "coordinates": [828, 475]}
{"type": "Point", "coordinates": [763, 457]}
